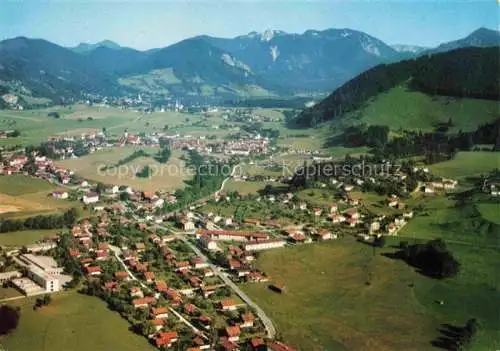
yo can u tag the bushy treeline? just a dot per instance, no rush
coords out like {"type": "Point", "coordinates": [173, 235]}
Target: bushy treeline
{"type": "Point", "coordinates": [131, 157]}
{"type": "Point", "coordinates": [207, 179]}
{"type": "Point", "coordinates": [54, 221]}
{"type": "Point", "coordinates": [435, 146]}
{"type": "Point", "coordinates": [468, 72]}
{"type": "Point", "coordinates": [164, 154]}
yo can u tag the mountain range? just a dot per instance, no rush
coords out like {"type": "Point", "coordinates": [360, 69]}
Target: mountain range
{"type": "Point", "coordinates": [267, 65]}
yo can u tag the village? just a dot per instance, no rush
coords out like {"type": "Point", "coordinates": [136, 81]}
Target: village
{"type": "Point", "coordinates": [174, 275]}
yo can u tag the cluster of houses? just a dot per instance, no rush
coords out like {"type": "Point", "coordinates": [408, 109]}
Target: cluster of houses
{"type": "Point", "coordinates": [240, 147]}
{"type": "Point", "coordinates": [197, 281]}
{"type": "Point", "coordinates": [439, 185]}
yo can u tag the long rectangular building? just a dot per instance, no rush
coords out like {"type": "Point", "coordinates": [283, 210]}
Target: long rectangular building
{"type": "Point", "coordinates": [258, 245]}
{"type": "Point", "coordinates": [234, 235]}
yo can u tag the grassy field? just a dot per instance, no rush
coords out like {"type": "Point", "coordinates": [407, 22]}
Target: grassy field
{"type": "Point", "coordinates": [490, 211]}
{"type": "Point", "coordinates": [71, 322]}
{"type": "Point", "coordinates": [165, 176]}
{"type": "Point", "coordinates": [22, 195]}
{"type": "Point", "coordinates": [400, 108]}
{"type": "Point", "coordinates": [36, 126]}
{"type": "Point", "coordinates": [245, 188]}
{"type": "Point", "coordinates": [467, 164]}
{"type": "Point", "coordinates": [7, 293]}
{"type": "Point", "coordinates": [344, 313]}
{"type": "Point", "coordinates": [25, 237]}
{"type": "Point", "coordinates": [328, 304]}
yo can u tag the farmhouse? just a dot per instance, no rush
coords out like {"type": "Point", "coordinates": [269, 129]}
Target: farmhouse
{"type": "Point", "coordinates": [90, 198]}
{"type": "Point", "coordinates": [60, 195]}
{"type": "Point", "coordinates": [228, 305]}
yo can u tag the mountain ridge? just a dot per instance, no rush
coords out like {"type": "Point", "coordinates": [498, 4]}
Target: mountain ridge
{"type": "Point", "coordinates": [270, 63]}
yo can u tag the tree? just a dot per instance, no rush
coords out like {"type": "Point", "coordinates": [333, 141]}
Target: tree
{"type": "Point", "coordinates": [47, 299]}
{"type": "Point", "coordinates": [9, 318]}
{"type": "Point", "coordinates": [99, 188]}
{"type": "Point", "coordinates": [124, 196]}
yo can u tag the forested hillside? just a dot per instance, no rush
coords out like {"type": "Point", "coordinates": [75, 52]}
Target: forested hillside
{"type": "Point", "coordinates": [463, 73]}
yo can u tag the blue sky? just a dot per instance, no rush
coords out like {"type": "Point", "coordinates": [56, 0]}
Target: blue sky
{"type": "Point", "coordinates": [147, 24]}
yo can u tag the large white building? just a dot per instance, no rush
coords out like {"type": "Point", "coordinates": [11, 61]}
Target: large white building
{"type": "Point", "coordinates": [43, 270]}
{"type": "Point", "coordinates": [264, 245]}
{"type": "Point", "coordinates": [235, 235]}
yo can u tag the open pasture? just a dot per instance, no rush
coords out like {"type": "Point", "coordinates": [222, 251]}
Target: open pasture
{"type": "Point", "coordinates": [99, 167]}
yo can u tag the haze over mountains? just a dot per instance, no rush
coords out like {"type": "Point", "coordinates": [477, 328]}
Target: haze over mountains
{"type": "Point", "coordinates": [269, 64]}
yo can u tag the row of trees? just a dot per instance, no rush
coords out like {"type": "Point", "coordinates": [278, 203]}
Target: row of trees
{"type": "Point", "coordinates": [130, 158]}
{"type": "Point", "coordinates": [54, 221]}
{"type": "Point", "coordinates": [435, 146]}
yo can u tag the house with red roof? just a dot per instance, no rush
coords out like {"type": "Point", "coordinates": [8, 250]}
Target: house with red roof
{"type": "Point", "coordinates": [93, 270]}
{"type": "Point", "coordinates": [166, 339]}
{"type": "Point", "coordinates": [143, 302]}
{"type": "Point", "coordinates": [161, 286]}
{"type": "Point", "coordinates": [228, 305]}
{"type": "Point", "coordinates": [136, 292]}
{"type": "Point", "coordinates": [159, 312]}
{"type": "Point", "coordinates": [158, 324]}
{"type": "Point", "coordinates": [233, 333]}
{"type": "Point", "coordinates": [122, 275]}
{"type": "Point", "coordinates": [149, 277]}
{"type": "Point", "coordinates": [247, 320]}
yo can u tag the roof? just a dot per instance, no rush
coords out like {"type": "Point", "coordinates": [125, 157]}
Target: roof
{"type": "Point", "coordinates": [248, 317]}
{"type": "Point", "coordinates": [144, 301]}
{"type": "Point", "coordinates": [165, 338]}
{"type": "Point", "coordinates": [159, 310]}
{"type": "Point", "coordinates": [228, 303]}
{"type": "Point", "coordinates": [161, 285]}
{"type": "Point", "coordinates": [93, 269]}
{"type": "Point", "coordinates": [279, 346]}
{"type": "Point", "coordinates": [158, 322]}
{"type": "Point", "coordinates": [256, 342]}
{"type": "Point", "coordinates": [239, 233]}
{"type": "Point", "coordinates": [233, 331]}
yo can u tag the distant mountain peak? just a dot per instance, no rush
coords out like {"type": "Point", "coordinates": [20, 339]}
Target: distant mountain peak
{"type": "Point", "coordinates": [266, 35]}
{"type": "Point", "coordinates": [412, 49]}
{"type": "Point", "coordinates": [86, 47]}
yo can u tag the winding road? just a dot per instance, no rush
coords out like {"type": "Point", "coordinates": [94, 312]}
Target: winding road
{"type": "Point", "coordinates": [117, 251]}
{"type": "Point", "coordinates": [268, 323]}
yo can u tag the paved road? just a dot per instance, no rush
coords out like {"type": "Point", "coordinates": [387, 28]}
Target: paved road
{"type": "Point", "coordinates": [268, 323]}
{"type": "Point", "coordinates": [117, 251]}
{"type": "Point", "coordinates": [270, 328]}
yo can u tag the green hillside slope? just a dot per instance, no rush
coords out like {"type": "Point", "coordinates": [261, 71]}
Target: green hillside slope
{"type": "Point", "coordinates": [471, 73]}
{"type": "Point", "coordinates": [402, 108]}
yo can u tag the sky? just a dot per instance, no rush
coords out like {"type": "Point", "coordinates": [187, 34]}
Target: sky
{"type": "Point", "coordinates": [155, 23]}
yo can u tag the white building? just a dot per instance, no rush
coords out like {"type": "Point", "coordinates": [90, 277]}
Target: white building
{"type": "Point", "coordinates": [208, 243]}
{"type": "Point", "coordinates": [90, 198]}
{"type": "Point", "coordinates": [60, 195]}
{"type": "Point", "coordinates": [44, 271]}
{"type": "Point", "coordinates": [6, 276]}
{"type": "Point", "coordinates": [264, 245]}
